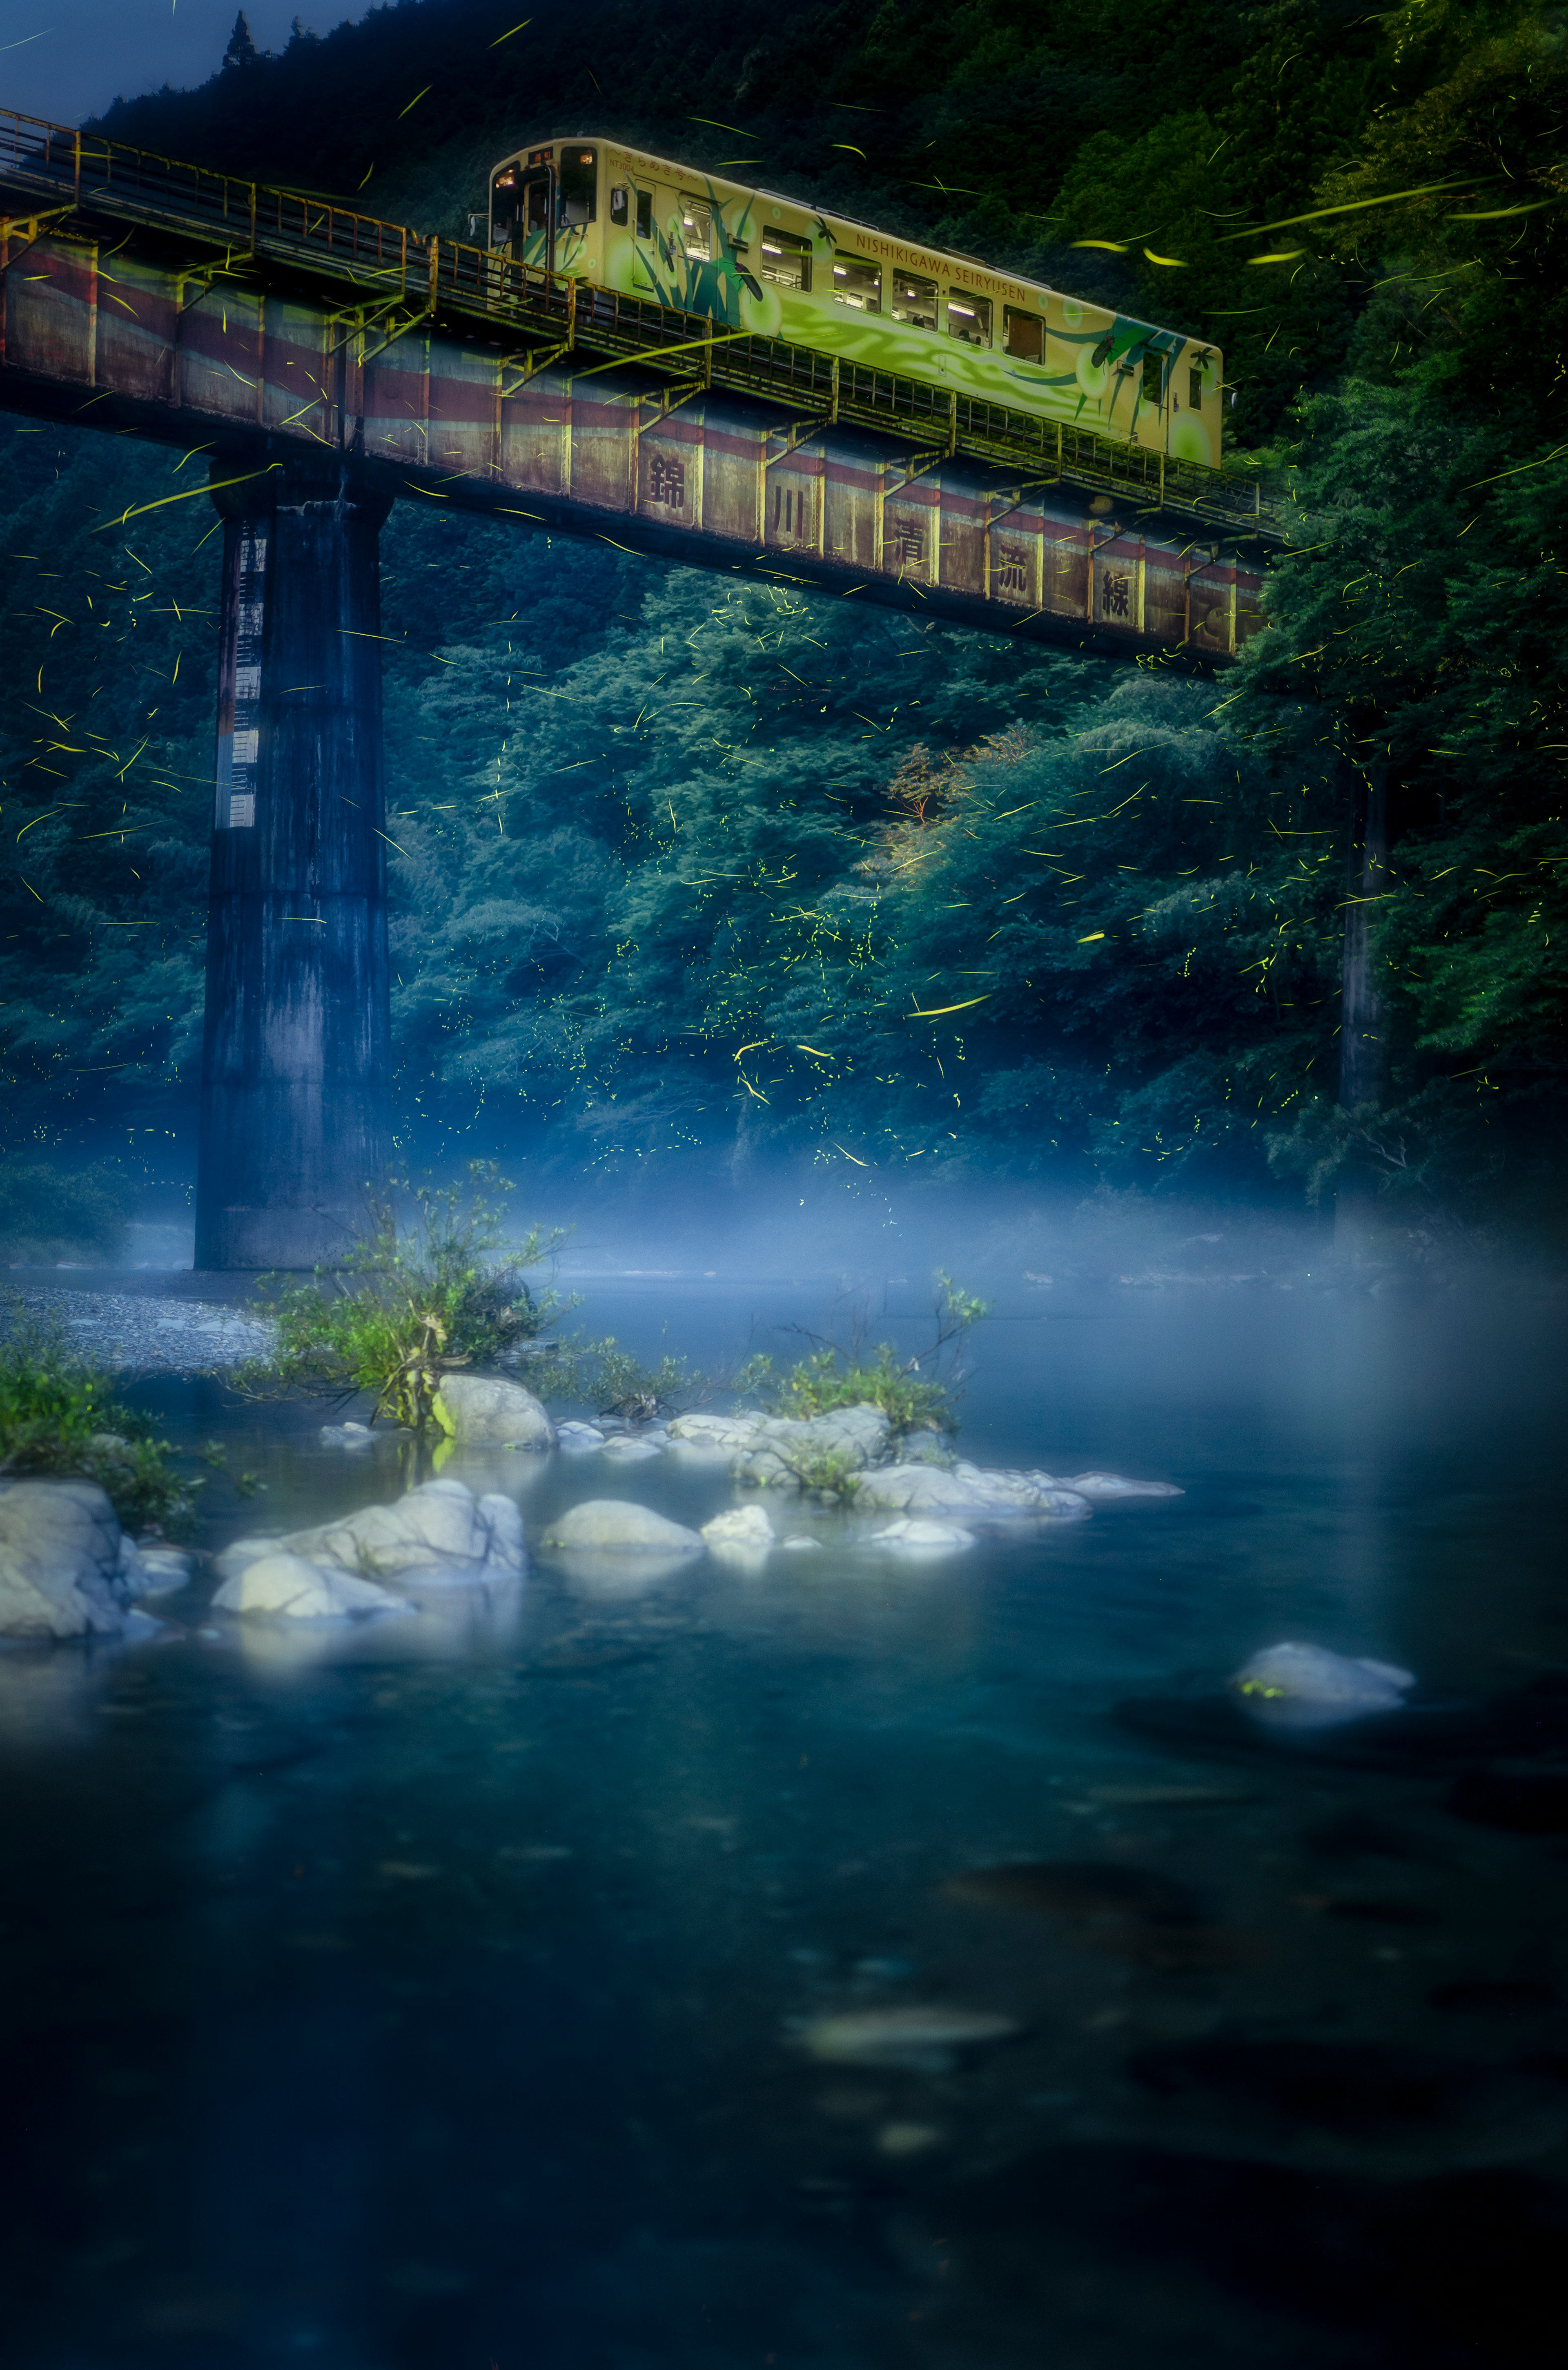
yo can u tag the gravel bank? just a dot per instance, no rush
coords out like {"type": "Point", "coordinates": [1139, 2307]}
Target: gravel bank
{"type": "Point", "coordinates": [161, 1334]}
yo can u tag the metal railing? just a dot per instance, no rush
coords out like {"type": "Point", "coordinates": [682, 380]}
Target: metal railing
{"type": "Point", "coordinates": [447, 279]}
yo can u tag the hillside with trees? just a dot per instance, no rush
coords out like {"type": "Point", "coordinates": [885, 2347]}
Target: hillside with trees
{"type": "Point", "coordinates": [686, 870]}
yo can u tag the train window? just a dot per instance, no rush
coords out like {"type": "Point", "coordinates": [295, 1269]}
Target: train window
{"type": "Point", "coordinates": [697, 229]}
{"type": "Point", "coordinates": [1025, 334]}
{"type": "Point", "coordinates": [857, 284]}
{"type": "Point", "coordinates": [1194, 388]}
{"type": "Point", "coordinates": [969, 317]}
{"type": "Point", "coordinates": [618, 209]}
{"type": "Point", "coordinates": [913, 300]}
{"type": "Point", "coordinates": [786, 260]}
{"type": "Point", "coordinates": [1154, 378]}
{"type": "Point", "coordinates": [645, 213]}
{"type": "Point", "coordinates": [579, 186]}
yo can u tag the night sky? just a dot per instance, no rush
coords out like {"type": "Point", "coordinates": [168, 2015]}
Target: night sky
{"type": "Point", "coordinates": [68, 59]}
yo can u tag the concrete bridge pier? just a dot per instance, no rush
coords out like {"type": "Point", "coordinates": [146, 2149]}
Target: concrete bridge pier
{"type": "Point", "coordinates": [297, 1053]}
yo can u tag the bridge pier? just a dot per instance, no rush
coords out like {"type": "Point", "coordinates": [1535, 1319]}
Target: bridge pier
{"type": "Point", "coordinates": [297, 1050]}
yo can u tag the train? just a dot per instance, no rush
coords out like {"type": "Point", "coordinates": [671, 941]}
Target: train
{"type": "Point", "coordinates": [754, 261]}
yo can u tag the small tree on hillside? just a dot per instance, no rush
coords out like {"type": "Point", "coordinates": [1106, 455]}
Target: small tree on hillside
{"type": "Point", "coordinates": [242, 51]}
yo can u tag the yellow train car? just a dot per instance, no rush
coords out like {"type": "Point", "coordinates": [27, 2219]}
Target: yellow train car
{"type": "Point", "coordinates": [758, 263]}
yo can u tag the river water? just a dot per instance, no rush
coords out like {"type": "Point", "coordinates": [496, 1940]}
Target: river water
{"type": "Point", "coordinates": [442, 1993]}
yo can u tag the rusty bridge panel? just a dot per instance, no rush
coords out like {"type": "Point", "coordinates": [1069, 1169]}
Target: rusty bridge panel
{"type": "Point", "coordinates": [184, 353]}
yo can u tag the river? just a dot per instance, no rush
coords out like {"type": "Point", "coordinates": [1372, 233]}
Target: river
{"type": "Point", "coordinates": [460, 1991]}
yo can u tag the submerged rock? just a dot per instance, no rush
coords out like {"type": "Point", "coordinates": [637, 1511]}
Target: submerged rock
{"type": "Point", "coordinates": [629, 1448]}
{"type": "Point", "coordinates": [744, 1534]}
{"type": "Point", "coordinates": [925, 2037]}
{"type": "Point", "coordinates": [346, 1435]}
{"type": "Point", "coordinates": [287, 1588]}
{"type": "Point", "coordinates": [66, 1568]}
{"type": "Point", "coordinates": [783, 1453]}
{"type": "Point", "coordinates": [619, 1526]}
{"type": "Point", "coordinates": [1300, 1685]}
{"type": "Point", "coordinates": [968, 1489]}
{"type": "Point", "coordinates": [487, 1411]}
{"type": "Point", "coordinates": [1116, 1485]}
{"type": "Point", "coordinates": [163, 1569]}
{"type": "Point", "coordinates": [714, 1435]}
{"type": "Point", "coordinates": [913, 1535]}
{"type": "Point", "coordinates": [438, 1532]}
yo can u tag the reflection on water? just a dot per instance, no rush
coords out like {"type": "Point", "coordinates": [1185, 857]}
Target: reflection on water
{"type": "Point", "coordinates": [832, 1961]}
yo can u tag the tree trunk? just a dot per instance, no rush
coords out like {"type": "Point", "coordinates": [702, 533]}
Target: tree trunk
{"type": "Point", "coordinates": [1362, 1066]}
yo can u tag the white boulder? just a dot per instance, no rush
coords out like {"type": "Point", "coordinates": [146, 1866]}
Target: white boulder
{"type": "Point", "coordinates": [619, 1526]}
{"type": "Point", "coordinates": [65, 1569]}
{"type": "Point", "coordinates": [346, 1435]}
{"type": "Point", "coordinates": [438, 1532]}
{"type": "Point", "coordinates": [578, 1439]}
{"type": "Point", "coordinates": [1308, 1687]}
{"type": "Point", "coordinates": [744, 1535]}
{"type": "Point", "coordinates": [284, 1587]}
{"type": "Point", "coordinates": [785, 1453]}
{"type": "Point", "coordinates": [913, 1535]}
{"type": "Point", "coordinates": [486, 1411]}
{"type": "Point", "coordinates": [798, 1543]}
{"type": "Point", "coordinates": [630, 1448]}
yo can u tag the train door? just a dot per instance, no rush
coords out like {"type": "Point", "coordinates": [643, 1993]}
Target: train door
{"type": "Point", "coordinates": [533, 225]}
{"type": "Point", "coordinates": [1157, 373]}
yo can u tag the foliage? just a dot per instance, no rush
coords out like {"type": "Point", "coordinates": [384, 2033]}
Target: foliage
{"type": "Point", "coordinates": [613, 1381]}
{"type": "Point", "coordinates": [691, 871]}
{"type": "Point", "coordinates": [616, 1382]}
{"type": "Point", "coordinates": [915, 1393]}
{"type": "Point", "coordinates": [62, 1419]}
{"type": "Point", "coordinates": [830, 1474]}
{"type": "Point", "coordinates": [45, 1209]}
{"type": "Point", "coordinates": [422, 1295]}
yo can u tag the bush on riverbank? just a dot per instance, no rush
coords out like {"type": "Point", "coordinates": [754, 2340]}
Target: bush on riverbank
{"type": "Point", "coordinates": [428, 1291]}
{"type": "Point", "coordinates": [62, 1419]}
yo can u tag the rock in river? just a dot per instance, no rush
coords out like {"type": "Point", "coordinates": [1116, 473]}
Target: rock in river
{"type": "Point", "coordinates": [619, 1526]}
{"type": "Point", "coordinates": [782, 1453]}
{"type": "Point", "coordinates": [1309, 1686]}
{"type": "Point", "coordinates": [286, 1587]}
{"type": "Point", "coordinates": [913, 1535]}
{"type": "Point", "coordinates": [929, 1491]}
{"type": "Point", "coordinates": [439, 1532]}
{"type": "Point", "coordinates": [743, 1535]}
{"type": "Point", "coordinates": [714, 1436]}
{"type": "Point", "coordinates": [487, 1411]}
{"type": "Point", "coordinates": [65, 1568]}
{"type": "Point", "coordinates": [924, 2037]}
{"type": "Point", "coordinates": [1116, 1485]}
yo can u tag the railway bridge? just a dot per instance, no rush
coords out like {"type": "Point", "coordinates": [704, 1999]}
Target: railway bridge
{"type": "Point", "coordinates": [333, 363]}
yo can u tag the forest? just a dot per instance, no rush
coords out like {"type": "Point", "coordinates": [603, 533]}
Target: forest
{"type": "Point", "coordinates": [690, 872]}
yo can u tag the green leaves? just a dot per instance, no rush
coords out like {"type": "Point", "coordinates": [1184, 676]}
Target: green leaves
{"type": "Point", "coordinates": [62, 1418]}
{"type": "Point", "coordinates": [431, 1288]}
